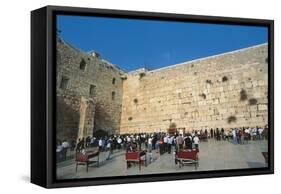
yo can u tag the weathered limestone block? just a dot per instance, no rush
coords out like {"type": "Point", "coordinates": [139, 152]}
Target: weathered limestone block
{"type": "Point", "coordinates": [262, 107]}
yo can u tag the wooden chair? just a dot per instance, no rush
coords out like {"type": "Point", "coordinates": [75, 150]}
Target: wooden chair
{"type": "Point", "coordinates": [135, 157]}
{"type": "Point", "coordinates": [85, 159]}
{"type": "Point", "coordinates": [187, 157]}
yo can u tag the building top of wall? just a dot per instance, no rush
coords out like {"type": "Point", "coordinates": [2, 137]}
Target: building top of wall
{"type": "Point", "coordinates": [68, 44]}
{"type": "Point", "coordinates": [91, 54]}
{"type": "Point", "coordinates": [140, 70]}
{"type": "Point", "coordinates": [94, 54]}
{"type": "Point", "coordinates": [205, 58]}
{"type": "Point", "coordinates": [144, 70]}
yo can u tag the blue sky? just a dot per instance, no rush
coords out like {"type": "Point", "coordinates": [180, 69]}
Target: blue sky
{"type": "Point", "coordinates": [132, 43]}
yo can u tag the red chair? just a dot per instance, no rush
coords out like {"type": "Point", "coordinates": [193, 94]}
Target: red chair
{"type": "Point", "coordinates": [84, 159]}
{"type": "Point", "coordinates": [135, 157]}
{"type": "Point", "coordinates": [187, 157]}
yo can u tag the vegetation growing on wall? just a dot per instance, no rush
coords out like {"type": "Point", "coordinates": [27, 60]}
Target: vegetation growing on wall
{"type": "Point", "coordinates": [253, 101]}
{"type": "Point", "coordinates": [224, 79]}
{"type": "Point", "coordinates": [203, 95]}
{"type": "Point", "coordinates": [135, 100]}
{"type": "Point", "coordinates": [243, 95]}
{"type": "Point", "coordinates": [231, 119]}
{"type": "Point", "coordinates": [142, 74]}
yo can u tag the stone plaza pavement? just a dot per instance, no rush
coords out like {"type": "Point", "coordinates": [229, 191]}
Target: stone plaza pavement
{"type": "Point", "coordinates": [213, 155]}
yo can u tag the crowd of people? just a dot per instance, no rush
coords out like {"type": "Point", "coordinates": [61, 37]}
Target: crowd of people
{"type": "Point", "coordinates": [161, 142]}
{"type": "Point", "coordinates": [240, 135]}
{"type": "Point", "coordinates": [139, 141]}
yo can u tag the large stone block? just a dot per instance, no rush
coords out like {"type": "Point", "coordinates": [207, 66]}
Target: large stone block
{"type": "Point", "coordinates": [262, 107]}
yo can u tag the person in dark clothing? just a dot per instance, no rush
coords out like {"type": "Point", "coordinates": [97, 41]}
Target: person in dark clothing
{"type": "Point", "coordinates": [154, 140]}
{"type": "Point", "coordinates": [212, 132]}
{"type": "Point", "coordinates": [218, 134]}
{"type": "Point", "coordinates": [72, 144]}
{"type": "Point", "coordinates": [222, 134]}
{"type": "Point", "coordinates": [78, 145]}
{"type": "Point", "coordinates": [81, 144]}
{"type": "Point", "coordinates": [188, 142]}
{"type": "Point", "coordinates": [88, 141]}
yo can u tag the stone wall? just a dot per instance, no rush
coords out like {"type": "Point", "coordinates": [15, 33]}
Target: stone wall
{"type": "Point", "coordinates": [226, 90]}
{"type": "Point", "coordinates": [68, 115]}
{"type": "Point", "coordinates": [86, 75]}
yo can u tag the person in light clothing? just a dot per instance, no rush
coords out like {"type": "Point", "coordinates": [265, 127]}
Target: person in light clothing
{"type": "Point", "coordinates": [109, 148]}
{"type": "Point", "coordinates": [65, 144]}
{"type": "Point", "coordinates": [179, 140]}
{"type": "Point", "coordinates": [149, 144]}
{"type": "Point", "coordinates": [165, 143]}
{"type": "Point", "coordinates": [260, 131]}
{"type": "Point", "coordinates": [170, 143]}
{"type": "Point", "coordinates": [196, 142]}
{"type": "Point", "coordinates": [100, 144]}
{"type": "Point", "coordinates": [234, 136]}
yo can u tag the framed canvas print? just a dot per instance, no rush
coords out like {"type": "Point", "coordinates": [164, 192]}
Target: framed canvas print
{"type": "Point", "coordinates": [126, 96]}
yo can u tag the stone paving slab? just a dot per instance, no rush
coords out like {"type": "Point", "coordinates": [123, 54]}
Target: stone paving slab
{"type": "Point", "coordinates": [213, 155]}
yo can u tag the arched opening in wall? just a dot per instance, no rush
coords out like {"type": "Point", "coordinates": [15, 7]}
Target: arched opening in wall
{"type": "Point", "coordinates": [82, 64]}
{"type": "Point", "coordinates": [113, 95]}
{"type": "Point", "coordinates": [64, 82]}
{"type": "Point", "coordinates": [100, 133]}
{"type": "Point", "coordinates": [113, 81]}
{"type": "Point", "coordinates": [103, 119]}
{"type": "Point", "coordinates": [92, 90]}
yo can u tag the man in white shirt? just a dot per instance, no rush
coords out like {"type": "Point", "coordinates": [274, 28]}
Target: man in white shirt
{"type": "Point", "coordinates": [260, 130]}
{"type": "Point", "coordinates": [59, 148]}
{"type": "Point", "coordinates": [65, 144]}
{"type": "Point", "coordinates": [100, 144]}
{"type": "Point", "coordinates": [149, 142]}
{"type": "Point", "coordinates": [92, 141]}
{"type": "Point", "coordinates": [119, 141]}
{"type": "Point", "coordinates": [165, 140]}
{"type": "Point", "coordinates": [128, 139]}
{"type": "Point", "coordinates": [196, 142]}
{"type": "Point", "coordinates": [234, 137]}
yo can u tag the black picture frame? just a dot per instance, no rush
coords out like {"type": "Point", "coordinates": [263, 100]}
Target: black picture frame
{"type": "Point", "coordinates": [43, 96]}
